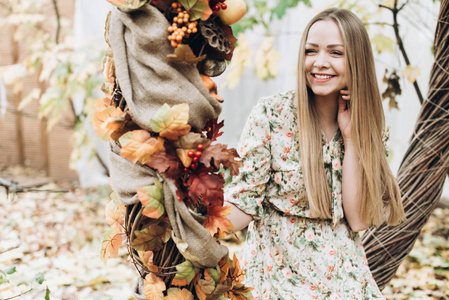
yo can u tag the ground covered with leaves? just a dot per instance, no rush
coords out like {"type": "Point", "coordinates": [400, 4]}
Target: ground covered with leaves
{"type": "Point", "coordinates": [50, 246]}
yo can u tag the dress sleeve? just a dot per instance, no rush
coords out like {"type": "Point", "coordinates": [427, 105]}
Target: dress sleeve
{"type": "Point", "coordinates": [247, 190]}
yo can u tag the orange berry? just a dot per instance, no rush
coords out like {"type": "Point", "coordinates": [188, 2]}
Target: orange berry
{"type": "Point", "coordinates": [179, 38]}
{"type": "Point", "coordinates": [174, 44]}
{"type": "Point", "coordinates": [194, 30]}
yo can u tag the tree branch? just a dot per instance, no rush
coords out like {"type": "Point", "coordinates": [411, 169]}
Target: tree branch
{"type": "Point", "coordinates": [395, 10]}
{"type": "Point", "coordinates": [58, 21]}
{"type": "Point", "coordinates": [14, 187]}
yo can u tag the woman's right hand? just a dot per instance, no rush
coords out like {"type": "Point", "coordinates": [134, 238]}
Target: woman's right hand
{"type": "Point", "coordinates": [238, 218]}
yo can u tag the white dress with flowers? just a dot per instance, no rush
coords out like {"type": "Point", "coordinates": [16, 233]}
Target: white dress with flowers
{"type": "Point", "coordinates": [289, 254]}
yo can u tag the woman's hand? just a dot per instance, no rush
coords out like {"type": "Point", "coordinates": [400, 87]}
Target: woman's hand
{"type": "Point", "coordinates": [344, 113]}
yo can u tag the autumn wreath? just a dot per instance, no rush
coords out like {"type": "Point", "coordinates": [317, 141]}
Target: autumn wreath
{"type": "Point", "coordinates": [160, 114]}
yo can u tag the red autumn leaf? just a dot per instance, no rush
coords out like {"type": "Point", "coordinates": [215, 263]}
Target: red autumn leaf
{"type": "Point", "coordinates": [232, 40]}
{"type": "Point", "coordinates": [216, 219]}
{"type": "Point", "coordinates": [139, 146]}
{"type": "Point", "coordinates": [219, 154]}
{"type": "Point", "coordinates": [110, 245]}
{"type": "Point", "coordinates": [206, 187]}
{"type": "Point", "coordinates": [166, 162]}
{"type": "Point", "coordinates": [213, 129]}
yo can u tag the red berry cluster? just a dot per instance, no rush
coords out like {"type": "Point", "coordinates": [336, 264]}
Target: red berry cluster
{"type": "Point", "coordinates": [216, 5]}
{"type": "Point", "coordinates": [195, 155]}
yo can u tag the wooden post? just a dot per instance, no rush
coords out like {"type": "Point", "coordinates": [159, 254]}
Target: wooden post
{"type": "Point", "coordinates": [17, 98]}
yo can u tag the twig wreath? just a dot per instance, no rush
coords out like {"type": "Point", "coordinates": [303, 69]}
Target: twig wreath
{"type": "Point", "coordinates": [160, 114]}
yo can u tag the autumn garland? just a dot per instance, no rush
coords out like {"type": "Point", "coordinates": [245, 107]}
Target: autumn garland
{"type": "Point", "coordinates": [190, 158]}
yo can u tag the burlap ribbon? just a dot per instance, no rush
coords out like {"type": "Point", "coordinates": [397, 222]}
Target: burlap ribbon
{"type": "Point", "coordinates": [139, 44]}
{"type": "Point", "coordinates": [193, 240]}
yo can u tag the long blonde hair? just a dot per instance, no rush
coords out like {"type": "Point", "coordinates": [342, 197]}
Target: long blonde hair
{"type": "Point", "coordinates": [377, 183]}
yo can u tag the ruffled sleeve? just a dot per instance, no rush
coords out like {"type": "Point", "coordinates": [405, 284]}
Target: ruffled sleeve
{"type": "Point", "coordinates": [247, 190]}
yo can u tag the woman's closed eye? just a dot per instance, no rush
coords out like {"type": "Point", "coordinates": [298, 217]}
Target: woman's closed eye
{"type": "Point", "coordinates": [336, 52]}
{"type": "Point", "coordinates": [310, 51]}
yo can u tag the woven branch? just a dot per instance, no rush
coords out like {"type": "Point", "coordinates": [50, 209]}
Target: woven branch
{"type": "Point", "coordinates": [423, 169]}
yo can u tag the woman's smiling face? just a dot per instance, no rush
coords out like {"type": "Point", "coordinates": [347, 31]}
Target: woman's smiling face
{"type": "Point", "coordinates": [325, 61]}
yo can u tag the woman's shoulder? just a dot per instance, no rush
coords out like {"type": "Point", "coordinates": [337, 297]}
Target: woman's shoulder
{"type": "Point", "coordinates": [276, 99]}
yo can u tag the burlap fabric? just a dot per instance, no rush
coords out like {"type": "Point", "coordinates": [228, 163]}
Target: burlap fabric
{"type": "Point", "coordinates": [139, 44]}
{"type": "Point", "coordinates": [191, 238]}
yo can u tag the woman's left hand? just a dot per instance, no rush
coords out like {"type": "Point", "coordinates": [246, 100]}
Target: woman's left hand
{"type": "Point", "coordinates": [344, 113]}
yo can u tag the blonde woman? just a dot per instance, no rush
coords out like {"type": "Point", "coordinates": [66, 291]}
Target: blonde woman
{"type": "Point", "coordinates": [315, 171]}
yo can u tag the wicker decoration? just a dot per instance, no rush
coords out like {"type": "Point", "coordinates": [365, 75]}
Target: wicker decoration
{"type": "Point", "coordinates": [169, 255]}
{"type": "Point", "coordinates": [168, 191]}
{"type": "Point", "coordinates": [423, 170]}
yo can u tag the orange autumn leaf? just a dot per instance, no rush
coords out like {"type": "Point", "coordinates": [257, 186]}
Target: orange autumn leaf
{"type": "Point", "coordinates": [236, 271]}
{"type": "Point", "coordinates": [178, 294]}
{"type": "Point", "coordinates": [152, 199]}
{"type": "Point", "coordinates": [216, 219]}
{"type": "Point", "coordinates": [115, 216]}
{"type": "Point", "coordinates": [109, 75]}
{"type": "Point", "coordinates": [139, 145]}
{"type": "Point", "coordinates": [183, 53]}
{"type": "Point", "coordinates": [110, 245]}
{"type": "Point", "coordinates": [225, 265]}
{"type": "Point", "coordinates": [184, 157]}
{"type": "Point", "coordinates": [179, 282]}
{"type": "Point", "coordinates": [147, 259]}
{"type": "Point", "coordinates": [171, 122]}
{"type": "Point", "coordinates": [154, 287]}
{"type": "Point", "coordinates": [103, 112]}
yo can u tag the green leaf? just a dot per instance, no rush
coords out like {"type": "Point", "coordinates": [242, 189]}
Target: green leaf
{"type": "Point", "coordinates": [186, 271]}
{"type": "Point", "coordinates": [247, 22]}
{"type": "Point", "coordinates": [195, 8]}
{"type": "Point", "coordinates": [130, 4]}
{"type": "Point", "coordinates": [383, 43]}
{"type": "Point", "coordinates": [39, 278]}
{"type": "Point", "coordinates": [261, 7]}
{"type": "Point", "coordinates": [3, 277]}
{"type": "Point", "coordinates": [160, 117]}
{"type": "Point", "coordinates": [11, 270]}
{"type": "Point", "coordinates": [281, 8]}
{"type": "Point", "coordinates": [47, 294]}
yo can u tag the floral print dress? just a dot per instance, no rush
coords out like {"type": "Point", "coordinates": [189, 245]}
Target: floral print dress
{"type": "Point", "coordinates": [289, 254]}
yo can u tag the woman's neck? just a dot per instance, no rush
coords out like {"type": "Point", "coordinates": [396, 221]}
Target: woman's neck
{"type": "Point", "coordinates": [327, 108]}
